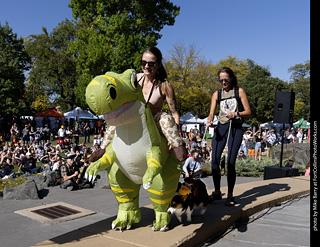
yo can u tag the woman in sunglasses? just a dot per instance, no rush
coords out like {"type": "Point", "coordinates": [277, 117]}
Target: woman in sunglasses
{"type": "Point", "coordinates": [156, 89]}
{"type": "Point", "coordinates": [233, 106]}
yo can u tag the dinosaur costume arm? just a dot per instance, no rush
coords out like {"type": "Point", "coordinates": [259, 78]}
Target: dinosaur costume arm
{"type": "Point", "coordinates": [154, 166]}
{"type": "Point", "coordinates": [103, 163]}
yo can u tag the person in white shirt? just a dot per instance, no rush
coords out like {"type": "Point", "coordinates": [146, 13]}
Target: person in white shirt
{"type": "Point", "coordinates": [192, 166]}
{"type": "Point", "coordinates": [97, 140]}
{"type": "Point", "coordinates": [271, 139]}
{"type": "Point", "coordinates": [61, 132]}
{"type": "Point", "coordinates": [300, 135]}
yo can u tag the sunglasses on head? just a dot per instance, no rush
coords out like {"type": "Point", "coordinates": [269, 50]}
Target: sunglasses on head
{"type": "Point", "coordinates": [226, 80]}
{"type": "Point", "coordinates": [150, 64]}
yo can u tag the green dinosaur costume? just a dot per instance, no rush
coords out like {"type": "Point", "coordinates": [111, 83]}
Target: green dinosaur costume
{"type": "Point", "coordinates": [138, 153]}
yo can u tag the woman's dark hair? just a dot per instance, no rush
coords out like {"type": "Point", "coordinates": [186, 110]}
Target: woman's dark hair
{"type": "Point", "coordinates": [162, 74]}
{"type": "Point", "coordinates": [233, 77]}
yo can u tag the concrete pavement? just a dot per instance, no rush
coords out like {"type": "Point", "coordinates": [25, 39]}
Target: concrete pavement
{"type": "Point", "coordinates": [250, 197]}
{"type": "Point", "coordinates": [286, 224]}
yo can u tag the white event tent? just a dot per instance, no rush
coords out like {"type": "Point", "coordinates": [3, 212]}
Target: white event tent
{"type": "Point", "coordinates": [191, 121]}
{"type": "Point", "coordinates": [78, 112]}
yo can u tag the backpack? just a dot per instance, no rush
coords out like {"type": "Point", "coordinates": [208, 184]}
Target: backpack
{"type": "Point", "coordinates": [59, 178]}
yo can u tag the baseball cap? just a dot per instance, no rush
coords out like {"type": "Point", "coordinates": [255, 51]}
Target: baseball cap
{"type": "Point", "coordinates": [71, 156]}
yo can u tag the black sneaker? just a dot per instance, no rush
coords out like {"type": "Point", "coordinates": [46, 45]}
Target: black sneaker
{"type": "Point", "coordinates": [215, 197]}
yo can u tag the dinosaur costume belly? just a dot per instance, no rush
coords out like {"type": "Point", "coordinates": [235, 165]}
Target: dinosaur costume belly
{"type": "Point", "coordinates": [131, 144]}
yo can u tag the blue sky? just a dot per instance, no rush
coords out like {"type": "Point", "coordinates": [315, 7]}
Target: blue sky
{"type": "Point", "coordinates": [273, 33]}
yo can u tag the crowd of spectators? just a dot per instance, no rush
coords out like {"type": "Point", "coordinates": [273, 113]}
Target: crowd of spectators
{"type": "Point", "coordinates": [30, 150]}
{"type": "Point", "coordinates": [252, 146]}
{"type": "Point", "coordinates": [25, 149]}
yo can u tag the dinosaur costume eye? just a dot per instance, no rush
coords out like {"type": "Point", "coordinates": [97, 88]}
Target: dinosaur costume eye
{"type": "Point", "coordinates": [134, 81]}
{"type": "Point", "coordinates": [113, 93]}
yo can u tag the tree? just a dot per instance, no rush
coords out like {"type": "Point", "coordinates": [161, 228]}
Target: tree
{"type": "Point", "coordinates": [14, 61]}
{"type": "Point", "coordinates": [238, 66]}
{"type": "Point", "coordinates": [111, 35]}
{"type": "Point", "coordinates": [195, 79]}
{"type": "Point", "coordinates": [260, 88]}
{"type": "Point", "coordinates": [301, 84]}
{"type": "Point", "coordinates": [53, 72]}
{"type": "Point", "coordinates": [190, 76]}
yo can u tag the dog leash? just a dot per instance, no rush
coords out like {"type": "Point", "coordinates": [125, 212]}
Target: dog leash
{"type": "Point", "coordinates": [223, 160]}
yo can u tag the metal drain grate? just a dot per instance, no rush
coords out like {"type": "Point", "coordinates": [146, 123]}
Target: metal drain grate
{"type": "Point", "coordinates": [55, 212]}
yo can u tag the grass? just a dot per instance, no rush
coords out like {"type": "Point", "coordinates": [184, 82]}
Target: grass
{"type": "Point", "coordinates": [12, 182]}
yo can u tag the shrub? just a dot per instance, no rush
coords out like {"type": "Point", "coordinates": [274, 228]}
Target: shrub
{"type": "Point", "coordinates": [252, 168]}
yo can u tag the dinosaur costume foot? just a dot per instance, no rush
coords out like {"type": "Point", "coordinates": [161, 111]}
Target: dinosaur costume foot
{"type": "Point", "coordinates": [162, 221]}
{"type": "Point", "coordinates": [125, 219]}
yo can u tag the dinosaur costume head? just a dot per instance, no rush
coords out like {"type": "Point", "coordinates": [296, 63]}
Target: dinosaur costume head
{"type": "Point", "coordinates": [112, 95]}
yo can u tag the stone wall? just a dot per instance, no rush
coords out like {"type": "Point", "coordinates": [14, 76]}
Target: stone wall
{"type": "Point", "coordinates": [299, 152]}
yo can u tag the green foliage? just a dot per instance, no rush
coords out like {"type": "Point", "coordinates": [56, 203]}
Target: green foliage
{"type": "Point", "coordinates": [301, 84]}
{"type": "Point", "coordinates": [12, 182]}
{"type": "Point", "coordinates": [53, 71]}
{"type": "Point", "coordinates": [252, 168]}
{"type": "Point", "coordinates": [13, 62]}
{"type": "Point", "coordinates": [195, 79]}
{"type": "Point", "coordinates": [111, 35]}
{"type": "Point", "coordinates": [260, 88]}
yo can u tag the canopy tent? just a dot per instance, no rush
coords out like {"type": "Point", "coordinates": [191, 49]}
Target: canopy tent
{"type": "Point", "coordinates": [49, 113]}
{"type": "Point", "coordinates": [277, 126]}
{"type": "Point", "coordinates": [245, 125]}
{"type": "Point", "coordinates": [78, 112]}
{"type": "Point", "coordinates": [303, 124]}
{"type": "Point", "coordinates": [189, 119]}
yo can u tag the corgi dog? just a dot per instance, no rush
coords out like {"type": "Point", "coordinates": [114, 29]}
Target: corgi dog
{"type": "Point", "coordinates": [193, 193]}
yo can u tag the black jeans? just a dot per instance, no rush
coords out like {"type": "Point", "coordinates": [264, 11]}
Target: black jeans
{"type": "Point", "coordinates": [218, 143]}
{"type": "Point", "coordinates": [69, 183]}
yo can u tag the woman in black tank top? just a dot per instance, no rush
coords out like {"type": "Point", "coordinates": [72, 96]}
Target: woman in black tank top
{"type": "Point", "coordinates": [229, 130]}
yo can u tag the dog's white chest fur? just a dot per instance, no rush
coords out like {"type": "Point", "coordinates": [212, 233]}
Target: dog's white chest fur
{"type": "Point", "coordinates": [180, 211]}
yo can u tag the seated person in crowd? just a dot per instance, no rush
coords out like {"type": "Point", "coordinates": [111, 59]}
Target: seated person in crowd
{"type": "Point", "coordinates": [57, 163]}
{"type": "Point", "coordinates": [192, 165]}
{"type": "Point", "coordinates": [205, 155]}
{"type": "Point", "coordinates": [28, 164]}
{"type": "Point", "coordinates": [242, 155]}
{"type": "Point", "coordinates": [69, 173]}
{"type": "Point", "coordinates": [6, 168]}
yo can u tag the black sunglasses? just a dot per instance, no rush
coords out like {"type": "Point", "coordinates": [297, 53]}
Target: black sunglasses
{"type": "Point", "coordinates": [226, 80]}
{"type": "Point", "coordinates": [150, 64]}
